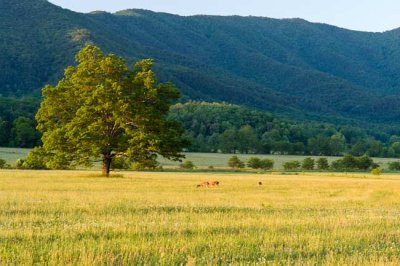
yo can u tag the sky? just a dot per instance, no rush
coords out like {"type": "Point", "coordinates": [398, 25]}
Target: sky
{"type": "Point", "coordinates": [364, 15]}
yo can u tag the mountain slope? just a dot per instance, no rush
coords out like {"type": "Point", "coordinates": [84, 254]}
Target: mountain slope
{"type": "Point", "coordinates": [291, 67]}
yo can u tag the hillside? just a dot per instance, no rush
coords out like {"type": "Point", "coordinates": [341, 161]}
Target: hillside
{"type": "Point", "coordinates": [289, 67]}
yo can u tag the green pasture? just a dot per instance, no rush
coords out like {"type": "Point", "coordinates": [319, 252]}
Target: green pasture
{"type": "Point", "coordinates": [133, 218]}
{"type": "Point", "coordinates": [13, 154]}
{"type": "Point", "coordinates": [201, 160]}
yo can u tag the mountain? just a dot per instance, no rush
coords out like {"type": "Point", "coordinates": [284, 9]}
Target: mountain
{"type": "Point", "coordinates": [289, 67]}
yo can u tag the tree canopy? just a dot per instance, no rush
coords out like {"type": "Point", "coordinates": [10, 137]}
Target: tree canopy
{"type": "Point", "coordinates": [102, 109]}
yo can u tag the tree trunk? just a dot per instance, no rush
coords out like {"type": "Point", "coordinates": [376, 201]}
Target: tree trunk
{"type": "Point", "coordinates": [106, 165]}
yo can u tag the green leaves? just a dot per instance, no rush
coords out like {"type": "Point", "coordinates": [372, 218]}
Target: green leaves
{"type": "Point", "coordinates": [100, 108]}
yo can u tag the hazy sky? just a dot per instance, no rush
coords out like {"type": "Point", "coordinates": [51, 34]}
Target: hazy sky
{"type": "Point", "coordinates": [366, 15]}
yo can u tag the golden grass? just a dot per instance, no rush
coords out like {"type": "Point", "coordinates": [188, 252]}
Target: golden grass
{"type": "Point", "coordinates": [79, 218]}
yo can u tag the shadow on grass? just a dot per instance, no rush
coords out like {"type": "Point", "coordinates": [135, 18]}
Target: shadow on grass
{"type": "Point", "coordinates": [112, 175]}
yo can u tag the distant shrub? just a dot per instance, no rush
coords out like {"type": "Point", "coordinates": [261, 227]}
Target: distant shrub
{"type": "Point", "coordinates": [376, 171]}
{"type": "Point", "coordinates": [365, 162]}
{"type": "Point", "coordinates": [267, 164]}
{"type": "Point", "coordinates": [235, 162]}
{"type": "Point", "coordinates": [337, 165]}
{"type": "Point", "coordinates": [211, 167]}
{"type": "Point", "coordinates": [322, 164]}
{"type": "Point", "coordinates": [19, 163]}
{"type": "Point", "coordinates": [187, 165]}
{"type": "Point", "coordinates": [308, 164]}
{"type": "Point", "coordinates": [349, 162]}
{"type": "Point", "coordinates": [394, 166]}
{"type": "Point", "coordinates": [3, 164]}
{"type": "Point", "coordinates": [292, 165]}
{"type": "Point", "coordinates": [254, 163]}
{"type": "Point", "coordinates": [257, 163]}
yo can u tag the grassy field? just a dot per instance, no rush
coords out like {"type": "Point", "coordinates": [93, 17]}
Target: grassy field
{"type": "Point", "coordinates": [201, 160]}
{"type": "Point", "coordinates": [13, 154]}
{"type": "Point", "coordinates": [79, 218]}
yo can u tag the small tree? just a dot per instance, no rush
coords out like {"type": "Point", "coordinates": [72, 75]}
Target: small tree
{"type": "Point", "coordinates": [322, 164]}
{"type": "Point", "coordinates": [394, 166]}
{"type": "Point", "coordinates": [376, 171]}
{"type": "Point", "coordinates": [235, 162]}
{"type": "Point", "coordinates": [349, 162]}
{"type": "Point", "coordinates": [267, 164]}
{"type": "Point", "coordinates": [308, 164]}
{"type": "Point", "coordinates": [3, 164]}
{"type": "Point", "coordinates": [257, 163]}
{"type": "Point", "coordinates": [338, 165]}
{"type": "Point", "coordinates": [364, 162]}
{"type": "Point", "coordinates": [254, 163]}
{"type": "Point", "coordinates": [187, 165]}
{"type": "Point", "coordinates": [292, 165]}
{"type": "Point", "coordinates": [101, 109]}
{"type": "Point", "coordinates": [19, 163]}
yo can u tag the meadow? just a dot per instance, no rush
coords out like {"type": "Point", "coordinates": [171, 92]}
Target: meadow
{"type": "Point", "coordinates": [10, 155]}
{"type": "Point", "coordinates": [142, 218]}
{"type": "Point", "coordinates": [202, 160]}
{"type": "Point", "coordinates": [220, 160]}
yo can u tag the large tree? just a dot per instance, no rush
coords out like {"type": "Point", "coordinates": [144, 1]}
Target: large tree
{"type": "Point", "coordinates": [102, 109]}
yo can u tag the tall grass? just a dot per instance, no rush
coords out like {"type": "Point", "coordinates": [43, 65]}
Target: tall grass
{"type": "Point", "coordinates": [58, 217]}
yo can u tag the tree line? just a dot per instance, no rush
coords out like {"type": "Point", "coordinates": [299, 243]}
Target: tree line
{"type": "Point", "coordinates": [17, 122]}
{"type": "Point", "coordinates": [221, 127]}
{"type": "Point", "coordinates": [227, 128]}
{"type": "Point", "coordinates": [346, 163]}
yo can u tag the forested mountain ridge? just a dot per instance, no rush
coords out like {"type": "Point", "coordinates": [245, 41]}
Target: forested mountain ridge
{"type": "Point", "coordinates": [289, 67]}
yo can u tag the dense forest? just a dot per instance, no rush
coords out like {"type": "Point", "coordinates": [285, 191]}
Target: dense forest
{"type": "Point", "coordinates": [288, 67]}
{"type": "Point", "coordinates": [17, 122]}
{"type": "Point", "coordinates": [220, 127]}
